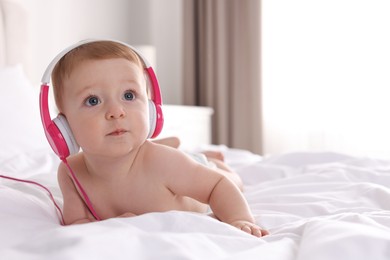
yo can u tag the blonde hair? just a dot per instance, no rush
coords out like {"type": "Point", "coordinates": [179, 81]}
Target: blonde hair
{"type": "Point", "coordinates": [98, 50]}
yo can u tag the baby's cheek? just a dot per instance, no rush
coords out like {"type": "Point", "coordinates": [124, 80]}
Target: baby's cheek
{"type": "Point", "coordinates": [86, 137]}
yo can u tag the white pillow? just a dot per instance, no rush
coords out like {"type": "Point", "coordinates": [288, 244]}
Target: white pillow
{"type": "Point", "coordinates": [21, 128]}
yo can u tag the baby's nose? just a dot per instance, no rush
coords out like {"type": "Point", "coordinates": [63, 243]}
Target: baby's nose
{"type": "Point", "coordinates": [115, 111]}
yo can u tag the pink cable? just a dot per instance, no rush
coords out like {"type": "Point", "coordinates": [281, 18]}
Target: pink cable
{"type": "Point", "coordinates": [43, 187]}
{"type": "Point", "coordinates": [86, 198]}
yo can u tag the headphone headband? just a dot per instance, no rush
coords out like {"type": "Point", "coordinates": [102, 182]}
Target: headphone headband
{"type": "Point", "coordinates": [47, 75]}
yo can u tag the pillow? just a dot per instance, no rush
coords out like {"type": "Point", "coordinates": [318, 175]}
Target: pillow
{"type": "Point", "coordinates": [21, 128]}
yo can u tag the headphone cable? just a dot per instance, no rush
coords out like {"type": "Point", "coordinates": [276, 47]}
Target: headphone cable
{"type": "Point", "coordinates": [43, 187]}
{"type": "Point", "coordinates": [82, 191]}
{"type": "Point", "coordinates": [76, 181]}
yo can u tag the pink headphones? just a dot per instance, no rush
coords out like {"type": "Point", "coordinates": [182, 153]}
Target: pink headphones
{"type": "Point", "coordinates": [58, 132]}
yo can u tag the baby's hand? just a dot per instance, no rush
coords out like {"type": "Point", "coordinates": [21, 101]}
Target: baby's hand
{"type": "Point", "coordinates": [250, 228]}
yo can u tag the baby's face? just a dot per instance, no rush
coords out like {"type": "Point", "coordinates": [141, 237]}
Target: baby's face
{"type": "Point", "coordinates": [106, 105]}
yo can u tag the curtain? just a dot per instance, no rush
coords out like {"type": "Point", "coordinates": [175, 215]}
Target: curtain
{"type": "Point", "coordinates": [222, 67]}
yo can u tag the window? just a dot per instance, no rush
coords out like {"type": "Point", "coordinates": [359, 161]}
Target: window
{"type": "Point", "coordinates": [326, 76]}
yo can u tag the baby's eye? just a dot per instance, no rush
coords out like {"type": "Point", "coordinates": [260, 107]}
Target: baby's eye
{"type": "Point", "coordinates": [128, 95]}
{"type": "Point", "coordinates": [92, 101]}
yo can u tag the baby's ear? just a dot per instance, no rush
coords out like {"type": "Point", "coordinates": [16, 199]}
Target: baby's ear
{"type": "Point", "coordinates": [61, 114]}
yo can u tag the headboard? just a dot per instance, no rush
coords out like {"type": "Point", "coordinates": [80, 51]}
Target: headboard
{"type": "Point", "coordinates": [14, 35]}
{"type": "Point", "coordinates": [2, 38]}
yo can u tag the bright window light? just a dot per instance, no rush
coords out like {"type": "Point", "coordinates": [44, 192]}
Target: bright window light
{"type": "Point", "coordinates": [326, 76]}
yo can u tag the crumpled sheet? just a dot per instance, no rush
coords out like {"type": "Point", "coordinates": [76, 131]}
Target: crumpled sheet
{"type": "Point", "coordinates": [315, 205]}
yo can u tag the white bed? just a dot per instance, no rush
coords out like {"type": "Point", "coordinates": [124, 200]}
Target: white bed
{"type": "Point", "coordinates": [315, 205]}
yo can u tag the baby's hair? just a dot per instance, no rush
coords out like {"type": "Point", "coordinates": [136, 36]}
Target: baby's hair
{"type": "Point", "coordinates": [98, 50]}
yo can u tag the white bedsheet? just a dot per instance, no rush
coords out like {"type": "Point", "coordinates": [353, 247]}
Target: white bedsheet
{"type": "Point", "coordinates": [315, 205]}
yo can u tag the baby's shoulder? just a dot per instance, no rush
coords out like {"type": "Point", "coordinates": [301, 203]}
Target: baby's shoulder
{"type": "Point", "coordinates": [74, 163]}
{"type": "Point", "coordinates": [154, 151]}
{"type": "Point", "coordinates": [161, 158]}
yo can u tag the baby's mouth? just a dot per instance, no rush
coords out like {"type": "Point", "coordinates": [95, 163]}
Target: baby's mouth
{"type": "Point", "coordinates": [117, 132]}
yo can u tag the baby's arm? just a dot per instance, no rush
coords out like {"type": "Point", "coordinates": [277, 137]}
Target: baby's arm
{"type": "Point", "coordinates": [188, 178]}
{"type": "Point", "coordinates": [230, 206]}
{"type": "Point", "coordinates": [75, 210]}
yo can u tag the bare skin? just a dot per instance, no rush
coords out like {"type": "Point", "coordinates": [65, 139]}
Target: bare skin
{"type": "Point", "coordinates": [124, 174]}
{"type": "Point", "coordinates": [212, 156]}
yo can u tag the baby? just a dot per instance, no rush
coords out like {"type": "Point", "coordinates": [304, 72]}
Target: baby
{"type": "Point", "coordinates": [100, 88]}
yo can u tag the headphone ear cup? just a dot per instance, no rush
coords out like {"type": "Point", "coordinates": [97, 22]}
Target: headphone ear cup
{"type": "Point", "coordinates": [156, 119]}
{"type": "Point", "coordinates": [152, 118]}
{"type": "Point", "coordinates": [63, 125]}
